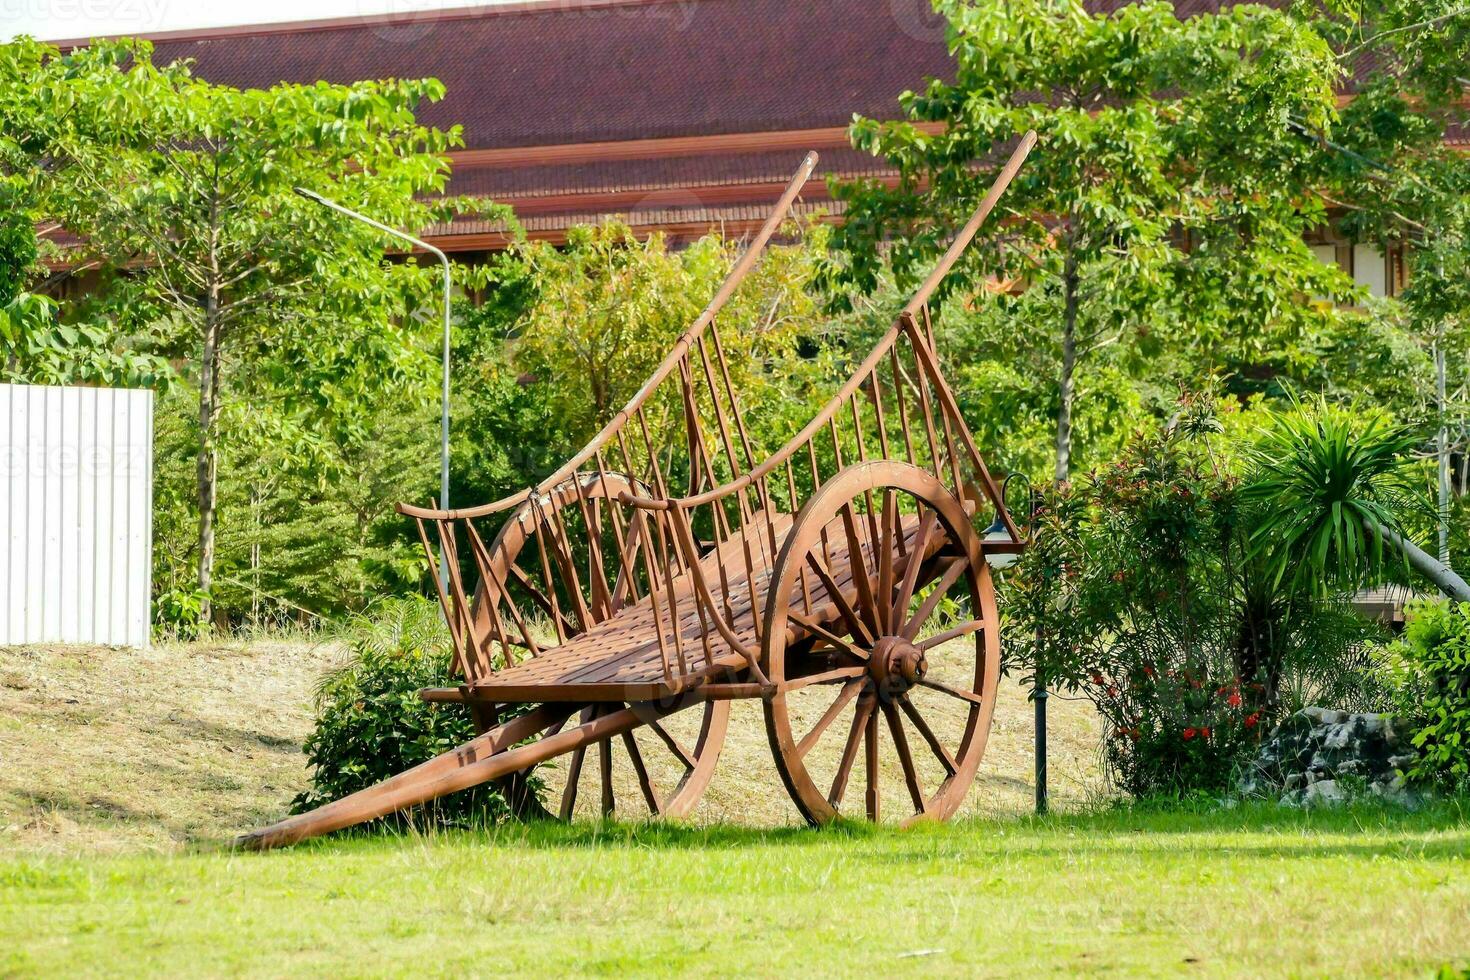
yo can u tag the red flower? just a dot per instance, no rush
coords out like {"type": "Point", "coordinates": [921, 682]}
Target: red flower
{"type": "Point", "coordinates": [1097, 679]}
{"type": "Point", "coordinates": [1252, 719]}
{"type": "Point", "coordinates": [1204, 733]}
{"type": "Point", "coordinates": [1189, 733]}
{"type": "Point", "coordinates": [1148, 672]}
{"type": "Point", "coordinates": [1233, 700]}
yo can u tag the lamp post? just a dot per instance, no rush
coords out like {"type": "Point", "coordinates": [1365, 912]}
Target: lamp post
{"type": "Point", "coordinates": [996, 533]}
{"type": "Point", "coordinates": [444, 388]}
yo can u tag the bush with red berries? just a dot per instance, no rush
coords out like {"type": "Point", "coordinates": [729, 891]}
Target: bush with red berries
{"type": "Point", "coordinates": [1144, 592]}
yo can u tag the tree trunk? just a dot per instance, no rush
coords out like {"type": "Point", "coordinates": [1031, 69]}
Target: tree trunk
{"type": "Point", "coordinates": [1065, 383]}
{"type": "Point", "coordinates": [1426, 564]}
{"type": "Point", "coordinates": [1257, 660]}
{"type": "Point", "coordinates": [206, 465]}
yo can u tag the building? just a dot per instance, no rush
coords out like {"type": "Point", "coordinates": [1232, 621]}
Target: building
{"type": "Point", "coordinates": [681, 115]}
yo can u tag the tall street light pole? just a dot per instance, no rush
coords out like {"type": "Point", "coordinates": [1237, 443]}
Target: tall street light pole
{"type": "Point", "coordinates": [444, 262]}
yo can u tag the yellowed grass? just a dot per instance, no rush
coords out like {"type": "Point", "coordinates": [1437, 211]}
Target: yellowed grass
{"type": "Point", "coordinates": [112, 750]}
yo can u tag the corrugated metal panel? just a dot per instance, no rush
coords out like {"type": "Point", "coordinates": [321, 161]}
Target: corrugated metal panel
{"type": "Point", "coordinates": [76, 515]}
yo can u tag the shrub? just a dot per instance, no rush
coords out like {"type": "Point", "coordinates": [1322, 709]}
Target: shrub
{"type": "Point", "coordinates": [1435, 669]}
{"type": "Point", "coordinates": [372, 724]}
{"type": "Point", "coordinates": [1174, 732]}
{"type": "Point", "coordinates": [1146, 592]}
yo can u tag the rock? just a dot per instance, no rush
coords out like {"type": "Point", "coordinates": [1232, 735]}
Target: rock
{"type": "Point", "coordinates": [1370, 724]}
{"type": "Point", "coordinates": [1324, 792]}
{"type": "Point", "coordinates": [1322, 757]}
{"type": "Point", "coordinates": [1324, 716]}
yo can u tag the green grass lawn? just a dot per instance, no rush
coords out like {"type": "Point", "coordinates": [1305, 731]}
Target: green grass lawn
{"type": "Point", "coordinates": [1254, 891]}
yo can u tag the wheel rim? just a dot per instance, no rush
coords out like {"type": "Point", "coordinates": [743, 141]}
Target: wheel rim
{"type": "Point", "coordinates": [659, 770]}
{"type": "Point", "coordinates": [899, 704]}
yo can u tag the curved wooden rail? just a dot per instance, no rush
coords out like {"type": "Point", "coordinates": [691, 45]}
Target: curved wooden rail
{"type": "Point", "coordinates": [675, 356]}
{"type": "Point", "coordinates": [905, 324]}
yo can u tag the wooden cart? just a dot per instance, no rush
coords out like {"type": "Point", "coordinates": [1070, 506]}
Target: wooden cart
{"type": "Point", "coordinates": [665, 571]}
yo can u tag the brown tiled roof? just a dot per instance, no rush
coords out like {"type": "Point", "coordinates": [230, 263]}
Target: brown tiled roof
{"type": "Point", "coordinates": [685, 109]}
{"type": "Point", "coordinates": [570, 71]}
{"type": "Point", "coordinates": [545, 77]}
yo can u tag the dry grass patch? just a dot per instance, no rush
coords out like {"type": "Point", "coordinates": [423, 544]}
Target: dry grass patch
{"type": "Point", "coordinates": [109, 749]}
{"type": "Point", "coordinates": [113, 749]}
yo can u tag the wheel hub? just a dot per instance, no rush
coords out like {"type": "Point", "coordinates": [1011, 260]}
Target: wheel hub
{"type": "Point", "coordinates": [895, 666]}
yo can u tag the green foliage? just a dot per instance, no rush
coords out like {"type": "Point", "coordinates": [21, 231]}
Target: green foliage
{"type": "Point", "coordinates": [18, 251]}
{"type": "Point", "coordinates": [1144, 591]}
{"type": "Point", "coordinates": [608, 307]}
{"type": "Point", "coordinates": [37, 348]}
{"type": "Point", "coordinates": [1155, 132]}
{"type": "Point", "coordinates": [1434, 655]}
{"type": "Point", "coordinates": [371, 723]}
{"type": "Point", "coordinates": [1325, 476]}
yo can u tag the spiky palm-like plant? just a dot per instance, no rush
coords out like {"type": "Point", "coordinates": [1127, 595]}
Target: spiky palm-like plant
{"type": "Point", "coordinates": [1330, 482]}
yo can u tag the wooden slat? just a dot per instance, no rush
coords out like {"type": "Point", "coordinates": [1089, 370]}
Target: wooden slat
{"type": "Point", "coordinates": [620, 660]}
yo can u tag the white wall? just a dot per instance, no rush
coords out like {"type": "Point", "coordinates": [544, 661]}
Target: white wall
{"type": "Point", "coordinates": [76, 515]}
{"type": "Point", "coordinates": [1370, 268]}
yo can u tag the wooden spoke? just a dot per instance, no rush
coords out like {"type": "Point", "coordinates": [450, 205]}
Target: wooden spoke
{"type": "Point", "coordinates": [644, 783]}
{"type": "Point", "coordinates": [827, 677]}
{"type": "Point", "coordinates": [680, 753]}
{"type": "Point", "coordinates": [811, 625]}
{"type": "Point", "coordinates": [964, 629]}
{"type": "Point", "coordinates": [849, 751]}
{"type": "Point", "coordinates": [849, 691]}
{"type": "Point", "coordinates": [604, 764]}
{"type": "Point", "coordinates": [887, 615]}
{"type": "Point", "coordinates": [854, 622]}
{"type": "Point", "coordinates": [574, 770]}
{"type": "Point", "coordinates": [928, 520]}
{"type": "Point", "coordinates": [870, 744]}
{"type": "Point", "coordinates": [859, 569]}
{"type": "Point", "coordinates": [905, 758]}
{"type": "Point", "coordinates": [951, 575]}
{"type": "Point", "coordinates": [927, 734]}
{"type": "Point", "coordinates": [952, 692]}
{"type": "Point", "coordinates": [574, 774]}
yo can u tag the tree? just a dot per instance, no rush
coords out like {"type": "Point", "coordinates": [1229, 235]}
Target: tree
{"type": "Point", "coordinates": [266, 296]}
{"type": "Point", "coordinates": [1395, 182]}
{"type": "Point", "coordinates": [1162, 211]}
{"type": "Point", "coordinates": [606, 309]}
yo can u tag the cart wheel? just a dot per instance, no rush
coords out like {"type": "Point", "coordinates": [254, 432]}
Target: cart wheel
{"type": "Point", "coordinates": [895, 664]}
{"type": "Point", "coordinates": [658, 770]}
